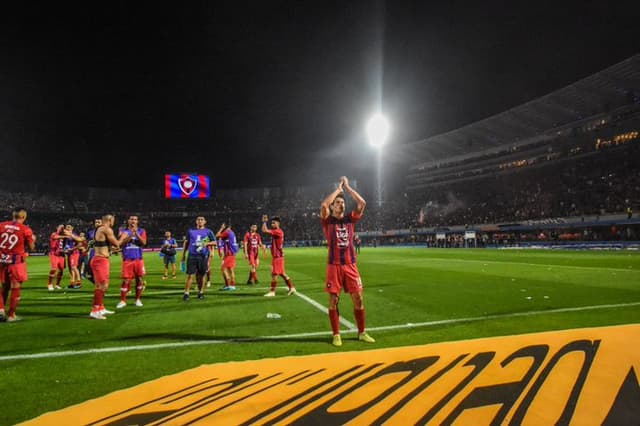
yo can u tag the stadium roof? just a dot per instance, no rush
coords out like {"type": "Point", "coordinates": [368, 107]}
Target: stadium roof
{"type": "Point", "coordinates": [601, 92]}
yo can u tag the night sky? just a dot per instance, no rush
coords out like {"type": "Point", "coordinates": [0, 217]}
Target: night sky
{"type": "Point", "coordinates": [274, 92]}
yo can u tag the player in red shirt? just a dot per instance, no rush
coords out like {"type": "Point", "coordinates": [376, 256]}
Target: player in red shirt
{"type": "Point", "coordinates": [15, 238]}
{"type": "Point", "coordinates": [277, 255]}
{"type": "Point", "coordinates": [342, 272]}
{"type": "Point", "coordinates": [104, 240]}
{"type": "Point", "coordinates": [251, 245]}
{"type": "Point", "coordinates": [56, 257]}
{"type": "Point", "coordinates": [72, 250]}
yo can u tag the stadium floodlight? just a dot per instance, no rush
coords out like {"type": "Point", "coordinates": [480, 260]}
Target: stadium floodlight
{"type": "Point", "coordinates": [377, 130]}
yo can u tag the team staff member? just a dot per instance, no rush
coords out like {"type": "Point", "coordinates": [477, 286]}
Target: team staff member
{"type": "Point", "coordinates": [168, 250]}
{"type": "Point", "coordinates": [15, 238]}
{"type": "Point", "coordinates": [230, 248]}
{"type": "Point", "coordinates": [277, 255]}
{"type": "Point", "coordinates": [104, 238]}
{"type": "Point", "coordinates": [342, 272]}
{"type": "Point", "coordinates": [198, 242]}
{"type": "Point", "coordinates": [132, 261]}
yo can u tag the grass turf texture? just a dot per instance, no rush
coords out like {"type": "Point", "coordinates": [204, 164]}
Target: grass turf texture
{"type": "Point", "coordinates": [402, 285]}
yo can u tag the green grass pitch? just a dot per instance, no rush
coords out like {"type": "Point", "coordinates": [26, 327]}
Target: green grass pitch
{"type": "Point", "coordinates": [412, 296]}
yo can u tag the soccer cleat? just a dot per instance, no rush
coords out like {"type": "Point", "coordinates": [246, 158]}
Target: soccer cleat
{"type": "Point", "coordinates": [270, 294]}
{"type": "Point", "coordinates": [57, 287]}
{"type": "Point", "coordinates": [50, 287]}
{"type": "Point", "coordinates": [121, 304]}
{"type": "Point", "coordinates": [185, 297]}
{"type": "Point", "coordinates": [13, 318]}
{"type": "Point", "coordinates": [201, 295]}
{"type": "Point", "coordinates": [292, 291]}
{"type": "Point", "coordinates": [173, 277]}
{"type": "Point", "coordinates": [337, 340]}
{"type": "Point", "coordinates": [139, 303]}
{"type": "Point", "coordinates": [3, 316]}
{"type": "Point", "coordinates": [105, 311]}
{"type": "Point", "coordinates": [97, 315]}
{"type": "Point", "coordinates": [164, 277]}
{"type": "Point", "coordinates": [364, 337]}
{"type": "Point", "coordinates": [74, 286]}
{"type": "Point", "coordinates": [208, 283]}
{"type": "Point", "coordinates": [228, 288]}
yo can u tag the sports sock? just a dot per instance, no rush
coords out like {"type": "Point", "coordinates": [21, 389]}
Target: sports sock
{"type": "Point", "coordinates": [289, 283]}
{"type": "Point", "coordinates": [359, 314]}
{"type": "Point", "coordinates": [274, 284]}
{"type": "Point", "coordinates": [98, 299]}
{"type": "Point", "coordinates": [124, 289]}
{"type": "Point", "coordinates": [334, 319]}
{"type": "Point", "coordinates": [13, 303]}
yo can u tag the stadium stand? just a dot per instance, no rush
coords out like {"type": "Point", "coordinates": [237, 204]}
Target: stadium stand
{"type": "Point", "coordinates": [561, 168]}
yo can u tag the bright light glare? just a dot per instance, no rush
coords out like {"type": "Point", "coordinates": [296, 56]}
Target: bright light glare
{"type": "Point", "coordinates": [377, 130]}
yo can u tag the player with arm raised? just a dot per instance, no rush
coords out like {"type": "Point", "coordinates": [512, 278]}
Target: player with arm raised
{"type": "Point", "coordinates": [230, 248]}
{"type": "Point", "coordinates": [277, 255]}
{"type": "Point", "coordinates": [342, 272]}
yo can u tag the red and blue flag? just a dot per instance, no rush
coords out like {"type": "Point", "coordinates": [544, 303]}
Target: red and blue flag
{"type": "Point", "coordinates": [186, 186]}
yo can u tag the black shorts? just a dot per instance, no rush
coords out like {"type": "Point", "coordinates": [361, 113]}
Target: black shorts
{"type": "Point", "coordinates": [197, 265]}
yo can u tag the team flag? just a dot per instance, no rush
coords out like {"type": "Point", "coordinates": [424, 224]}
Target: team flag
{"type": "Point", "coordinates": [187, 186]}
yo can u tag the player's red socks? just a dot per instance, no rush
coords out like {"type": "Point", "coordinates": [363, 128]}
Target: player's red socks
{"type": "Point", "coordinates": [124, 290]}
{"type": "Point", "coordinates": [274, 284]}
{"type": "Point", "coordinates": [334, 319]}
{"type": "Point", "coordinates": [52, 274]}
{"type": "Point", "coordinates": [13, 303]}
{"type": "Point", "coordinates": [139, 288]}
{"type": "Point", "coordinates": [98, 299]}
{"type": "Point", "coordinates": [58, 278]}
{"type": "Point", "coordinates": [359, 314]}
{"type": "Point", "coordinates": [289, 283]}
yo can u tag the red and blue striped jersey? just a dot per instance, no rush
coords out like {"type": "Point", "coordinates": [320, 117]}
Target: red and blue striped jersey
{"type": "Point", "coordinates": [339, 234]}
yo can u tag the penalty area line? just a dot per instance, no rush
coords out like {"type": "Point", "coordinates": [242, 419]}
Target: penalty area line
{"type": "Point", "coordinates": [304, 335]}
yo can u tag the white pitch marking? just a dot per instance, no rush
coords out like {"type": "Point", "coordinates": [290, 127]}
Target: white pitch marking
{"type": "Point", "coordinates": [303, 335]}
{"type": "Point", "coordinates": [351, 326]}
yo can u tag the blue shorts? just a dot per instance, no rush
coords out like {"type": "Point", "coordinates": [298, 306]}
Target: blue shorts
{"type": "Point", "coordinates": [169, 259]}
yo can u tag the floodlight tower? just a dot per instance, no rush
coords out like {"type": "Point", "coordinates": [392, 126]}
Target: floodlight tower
{"type": "Point", "coordinates": [378, 132]}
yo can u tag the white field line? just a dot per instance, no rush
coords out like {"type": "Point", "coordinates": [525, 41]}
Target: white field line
{"type": "Point", "coordinates": [303, 335]}
{"type": "Point", "coordinates": [351, 326]}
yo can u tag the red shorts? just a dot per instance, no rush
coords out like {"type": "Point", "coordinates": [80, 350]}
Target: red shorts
{"type": "Point", "coordinates": [254, 260]}
{"type": "Point", "coordinates": [277, 266]}
{"type": "Point", "coordinates": [73, 260]}
{"type": "Point", "coordinates": [343, 277]}
{"type": "Point", "coordinates": [13, 273]}
{"type": "Point", "coordinates": [100, 268]}
{"type": "Point", "coordinates": [56, 262]}
{"type": "Point", "coordinates": [229, 262]}
{"type": "Point", "coordinates": [133, 268]}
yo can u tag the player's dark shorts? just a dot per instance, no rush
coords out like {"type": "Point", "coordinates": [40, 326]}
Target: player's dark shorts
{"type": "Point", "coordinates": [169, 259]}
{"type": "Point", "coordinates": [197, 265]}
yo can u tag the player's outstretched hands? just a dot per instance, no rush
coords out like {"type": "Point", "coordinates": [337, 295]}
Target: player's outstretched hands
{"type": "Point", "coordinates": [265, 218]}
{"type": "Point", "coordinates": [344, 182]}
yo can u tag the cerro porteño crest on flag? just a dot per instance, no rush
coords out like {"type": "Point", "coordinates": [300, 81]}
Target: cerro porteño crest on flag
{"type": "Point", "coordinates": [187, 184]}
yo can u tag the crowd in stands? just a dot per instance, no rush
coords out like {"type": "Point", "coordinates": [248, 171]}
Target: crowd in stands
{"type": "Point", "coordinates": [599, 182]}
